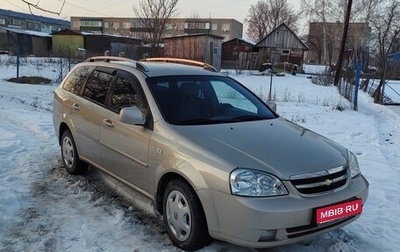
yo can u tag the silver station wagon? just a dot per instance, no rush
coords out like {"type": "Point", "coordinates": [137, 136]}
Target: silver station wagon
{"type": "Point", "coordinates": [211, 156]}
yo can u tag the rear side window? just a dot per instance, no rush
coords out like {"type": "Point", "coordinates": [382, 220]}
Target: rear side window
{"type": "Point", "coordinates": [77, 79]}
{"type": "Point", "coordinates": [97, 86]}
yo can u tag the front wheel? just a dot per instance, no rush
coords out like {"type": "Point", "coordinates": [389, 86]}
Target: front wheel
{"type": "Point", "coordinates": [70, 156]}
{"type": "Point", "coordinates": [184, 216]}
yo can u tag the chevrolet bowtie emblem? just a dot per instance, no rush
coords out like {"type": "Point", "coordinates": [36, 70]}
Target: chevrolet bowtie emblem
{"type": "Point", "coordinates": [328, 182]}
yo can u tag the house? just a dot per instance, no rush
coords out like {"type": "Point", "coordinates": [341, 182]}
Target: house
{"type": "Point", "coordinates": [231, 50]}
{"type": "Point", "coordinates": [69, 43]}
{"type": "Point", "coordinates": [282, 45]}
{"type": "Point", "coordinates": [25, 42]}
{"type": "Point", "coordinates": [201, 47]}
{"type": "Point", "coordinates": [114, 45]}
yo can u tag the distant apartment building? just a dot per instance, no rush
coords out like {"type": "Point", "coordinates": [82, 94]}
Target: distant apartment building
{"type": "Point", "coordinates": [23, 21]}
{"type": "Point", "coordinates": [132, 27]}
{"type": "Point", "coordinates": [324, 49]}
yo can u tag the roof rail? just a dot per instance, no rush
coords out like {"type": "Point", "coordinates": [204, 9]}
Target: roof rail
{"type": "Point", "coordinates": [109, 58]}
{"type": "Point", "coordinates": [183, 62]}
{"type": "Point", "coordinates": [120, 60]}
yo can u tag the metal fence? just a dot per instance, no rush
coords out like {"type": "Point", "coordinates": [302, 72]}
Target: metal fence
{"type": "Point", "coordinates": [18, 67]}
{"type": "Point", "coordinates": [285, 87]}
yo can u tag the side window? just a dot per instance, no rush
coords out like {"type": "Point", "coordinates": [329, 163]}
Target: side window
{"type": "Point", "coordinates": [123, 95]}
{"type": "Point", "coordinates": [77, 78]}
{"type": "Point", "coordinates": [97, 86]}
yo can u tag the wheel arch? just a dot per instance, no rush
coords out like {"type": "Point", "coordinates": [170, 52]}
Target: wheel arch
{"type": "Point", "coordinates": [163, 182]}
{"type": "Point", "coordinates": [162, 185]}
{"type": "Point", "coordinates": [63, 127]}
{"type": "Point", "coordinates": [186, 171]}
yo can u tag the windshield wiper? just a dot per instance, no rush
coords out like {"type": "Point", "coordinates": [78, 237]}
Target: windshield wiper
{"type": "Point", "coordinates": [248, 118]}
{"type": "Point", "coordinates": [198, 121]}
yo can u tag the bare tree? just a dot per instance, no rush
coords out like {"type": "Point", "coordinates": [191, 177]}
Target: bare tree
{"type": "Point", "coordinates": [332, 11]}
{"type": "Point", "coordinates": [386, 27]}
{"type": "Point", "coordinates": [325, 11]}
{"type": "Point", "coordinates": [363, 10]}
{"type": "Point", "coordinates": [154, 15]}
{"type": "Point", "coordinates": [323, 42]}
{"type": "Point", "coordinates": [266, 15]}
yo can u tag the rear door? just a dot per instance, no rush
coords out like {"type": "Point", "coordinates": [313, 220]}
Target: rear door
{"type": "Point", "coordinates": [125, 147]}
{"type": "Point", "coordinates": [88, 109]}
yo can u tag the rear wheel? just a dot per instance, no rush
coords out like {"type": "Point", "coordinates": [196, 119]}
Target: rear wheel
{"type": "Point", "coordinates": [70, 156]}
{"type": "Point", "coordinates": [184, 216]}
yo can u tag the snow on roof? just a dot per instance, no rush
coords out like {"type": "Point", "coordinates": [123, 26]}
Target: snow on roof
{"type": "Point", "coordinates": [27, 32]}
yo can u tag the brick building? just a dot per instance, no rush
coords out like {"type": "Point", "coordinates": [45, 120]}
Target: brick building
{"type": "Point", "coordinates": [325, 49]}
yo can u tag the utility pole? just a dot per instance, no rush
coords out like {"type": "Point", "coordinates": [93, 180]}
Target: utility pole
{"type": "Point", "coordinates": [343, 43]}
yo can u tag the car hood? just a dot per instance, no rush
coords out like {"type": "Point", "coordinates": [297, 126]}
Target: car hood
{"type": "Point", "coordinates": [276, 146]}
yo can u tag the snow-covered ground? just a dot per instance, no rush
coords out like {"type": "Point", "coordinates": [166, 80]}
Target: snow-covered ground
{"type": "Point", "coordinates": [42, 208]}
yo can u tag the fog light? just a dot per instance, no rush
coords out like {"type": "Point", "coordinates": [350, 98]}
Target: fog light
{"type": "Point", "coordinates": [268, 235]}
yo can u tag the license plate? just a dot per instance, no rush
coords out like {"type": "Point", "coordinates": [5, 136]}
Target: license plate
{"type": "Point", "coordinates": [339, 211]}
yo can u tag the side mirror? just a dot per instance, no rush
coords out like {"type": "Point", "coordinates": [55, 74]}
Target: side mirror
{"type": "Point", "coordinates": [131, 115]}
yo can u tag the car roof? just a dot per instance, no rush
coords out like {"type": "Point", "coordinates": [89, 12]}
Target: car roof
{"type": "Point", "coordinates": [154, 67]}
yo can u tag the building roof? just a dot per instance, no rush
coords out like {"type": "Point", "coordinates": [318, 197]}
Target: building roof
{"type": "Point", "coordinates": [196, 35]}
{"type": "Point", "coordinates": [27, 32]}
{"type": "Point", "coordinates": [242, 40]}
{"type": "Point", "coordinates": [291, 41]}
{"type": "Point", "coordinates": [67, 32]}
{"type": "Point", "coordinates": [34, 17]}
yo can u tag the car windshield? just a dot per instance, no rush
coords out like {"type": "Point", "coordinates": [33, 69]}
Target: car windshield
{"type": "Point", "coordinates": [194, 100]}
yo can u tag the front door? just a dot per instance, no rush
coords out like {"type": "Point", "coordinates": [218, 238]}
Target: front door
{"type": "Point", "coordinates": [124, 146]}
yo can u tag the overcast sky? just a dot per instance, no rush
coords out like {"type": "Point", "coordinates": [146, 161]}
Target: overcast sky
{"type": "Point", "coordinates": [237, 9]}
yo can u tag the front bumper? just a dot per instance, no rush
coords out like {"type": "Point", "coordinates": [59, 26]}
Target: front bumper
{"type": "Point", "coordinates": [269, 222]}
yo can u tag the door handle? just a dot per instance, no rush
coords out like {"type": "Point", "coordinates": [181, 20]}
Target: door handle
{"type": "Point", "coordinates": [108, 122]}
{"type": "Point", "coordinates": [76, 106]}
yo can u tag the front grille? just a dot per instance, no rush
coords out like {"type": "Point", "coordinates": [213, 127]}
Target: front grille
{"type": "Point", "coordinates": [321, 182]}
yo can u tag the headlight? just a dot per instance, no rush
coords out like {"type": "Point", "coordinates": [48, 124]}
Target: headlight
{"type": "Point", "coordinates": [247, 182]}
{"type": "Point", "coordinates": [353, 164]}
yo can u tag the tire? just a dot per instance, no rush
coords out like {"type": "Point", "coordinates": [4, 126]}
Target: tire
{"type": "Point", "coordinates": [69, 155]}
{"type": "Point", "coordinates": [184, 216]}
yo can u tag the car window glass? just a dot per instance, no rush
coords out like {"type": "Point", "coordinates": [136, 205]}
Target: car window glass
{"type": "Point", "coordinates": [123, 95]}
{"type": "Point", "coordinates": [77, 78]}
{"type": "Point", "coordinates": [227, 95]}
{"type": "Point", "coordinates": [97, 86]}
{"type": "Point", "coordinates": [204, 100]}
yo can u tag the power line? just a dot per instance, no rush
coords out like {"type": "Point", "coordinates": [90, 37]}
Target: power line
{"type": "Point", "coordinates": [17, 6]}
{"type": "Point", "coordinates": [83, 8]}
{"type": "Point", "coordinates": [36, 6]}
